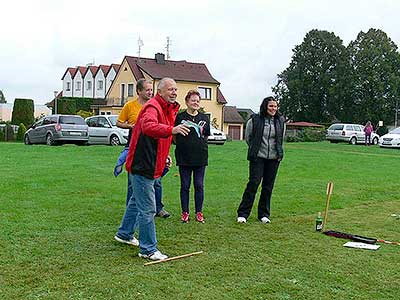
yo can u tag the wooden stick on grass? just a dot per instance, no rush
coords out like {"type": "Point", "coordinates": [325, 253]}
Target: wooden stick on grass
{"type": "Point", "coordinates": [329, 190]}
{"type": "Point", "coordinates": [172, 258]}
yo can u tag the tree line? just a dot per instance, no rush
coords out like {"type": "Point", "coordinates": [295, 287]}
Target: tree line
{"type": "Point", "coordinates": [328, 82]}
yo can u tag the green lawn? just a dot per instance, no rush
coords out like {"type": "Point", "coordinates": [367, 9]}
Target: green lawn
{"type": "Point", "coordinates": [60, 208]}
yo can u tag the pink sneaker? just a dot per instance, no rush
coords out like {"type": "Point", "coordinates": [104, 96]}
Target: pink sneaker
{"type": "Point", "coordinates": [185, 217]}
{"type": "Point", "coordinates": [200, 217]}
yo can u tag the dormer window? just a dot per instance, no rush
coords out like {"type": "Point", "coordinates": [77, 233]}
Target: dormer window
{"type": "Point", "coordinates": [68, 86]}
{"type": "Point", "coordinates": [78, 85]}
{"type": "Point", "coordinates": [100, 84]}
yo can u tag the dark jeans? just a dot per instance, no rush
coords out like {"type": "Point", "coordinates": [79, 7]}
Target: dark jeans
{"type": "Point", "coordinates": [198, 180]}
{"type": "Point", "coordinates": [367, 139]}
{"type": "Point", "coordinates": [265, 169]}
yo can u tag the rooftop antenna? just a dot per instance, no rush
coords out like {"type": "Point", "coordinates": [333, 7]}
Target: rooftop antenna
{"type": "Point", "coordinates": [140, 45]}
{"type": "Point", "coordinates": [168, 47]}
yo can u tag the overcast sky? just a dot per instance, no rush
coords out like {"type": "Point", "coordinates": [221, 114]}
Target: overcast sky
{"type": "Point", "coordinates": [244, 44]}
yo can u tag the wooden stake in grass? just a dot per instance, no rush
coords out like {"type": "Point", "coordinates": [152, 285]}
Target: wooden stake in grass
{"type": "Point", "coordinates": [329, 190]}
{"type": "Point", "coordinates": [172, 258]}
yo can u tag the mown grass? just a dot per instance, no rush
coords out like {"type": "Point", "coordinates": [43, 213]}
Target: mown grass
{"type": "Point", "coordinates": [60, 207]}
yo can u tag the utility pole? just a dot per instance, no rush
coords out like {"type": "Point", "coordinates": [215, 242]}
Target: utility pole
{"type": "Point", "coordinates": [140, 45]}
{"type": "Point", "coordinates": [168, 47]}
{"type": "Point", "coordinates": [55, 102]}
{"type": "Point", "coordinates": [396, 112]}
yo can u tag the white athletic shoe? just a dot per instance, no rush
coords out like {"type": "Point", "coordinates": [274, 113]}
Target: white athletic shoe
{"type": "Point", "coordinates": [154, 256]}
{"type": "Point", "coordinates": [133, 241]}
{"type": "Point", "coordinates": [241, 220]}
{"type": "Point", "coordinates": [265, 220]}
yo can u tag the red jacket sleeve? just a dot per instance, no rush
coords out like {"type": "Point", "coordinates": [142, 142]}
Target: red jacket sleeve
{"type": "Point", "coordinates": [151, 125]}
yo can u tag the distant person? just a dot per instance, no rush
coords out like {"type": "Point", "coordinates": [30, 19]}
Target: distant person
{"type": "Point", "coordinates": [368, 129]}
{"type": "Point", "coordinates": [264, 137]}
{"type": "Point", "coordinates": [191, 154]}
{"type": "Point", "coordinates": [145, 162]}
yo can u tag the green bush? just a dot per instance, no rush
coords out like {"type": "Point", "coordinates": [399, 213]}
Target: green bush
{"type": "Point", "coordinates": [66, 106]}
{"type": "Point", "coordinates": [23, 112]}
{"type": "Point", "coordinates": [307, 135]}
{"type": "Point", "coordinates": [2, 137]}
{"type": "Point", "coordinates": [21, 132]}
{"type": "Point", "coordinates": [80, 103]}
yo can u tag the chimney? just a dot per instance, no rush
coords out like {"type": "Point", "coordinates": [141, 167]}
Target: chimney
{"type": "Point", "coordinates": [160, 58]}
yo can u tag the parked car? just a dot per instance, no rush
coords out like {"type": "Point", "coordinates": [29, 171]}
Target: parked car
{"type": "Point", "coordinates": [216, 136]}
{"type": "Point", "coordinates": [103, 130]}
{"type": "Point", "coordinates": [391, 139]}
{"type": "Point", "coordinates": [350, 133]}
{"type": "Point", "coordinates": [58, 129]}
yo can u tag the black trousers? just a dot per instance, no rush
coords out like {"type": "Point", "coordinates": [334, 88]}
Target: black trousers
{"type": "Point", "coordinates": [260, 169]}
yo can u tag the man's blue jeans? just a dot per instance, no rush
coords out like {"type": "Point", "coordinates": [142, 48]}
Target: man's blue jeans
{"type": "Point", "coordinates": [158, 191]}
{"type": "Point", "coordinates": [129, 220]}
{"type": "Point", "coordinates": [143, 189]}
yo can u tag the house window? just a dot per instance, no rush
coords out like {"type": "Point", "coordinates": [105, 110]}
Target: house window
{"type": "Point", "coordinates": [130, 89]}
{"type": "Point", "coordinates": [122, 93]}
{"type": "Point", "coordinates": [89, 85]}
{"type": "Point", "coordinates": [68, 86]}
{"type": "Point", "coordinates": [205, 93]}
{"type": "Point", "coordinates": [100, 84]}
{"type": "Point", "coordinates": [78, 85]}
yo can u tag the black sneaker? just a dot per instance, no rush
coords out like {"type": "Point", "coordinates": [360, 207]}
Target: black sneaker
{"type": "Point", "coordinates": [163, 214]}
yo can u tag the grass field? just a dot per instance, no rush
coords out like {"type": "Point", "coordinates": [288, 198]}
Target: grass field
{"type": "Point", "coordinates": [60, 208]}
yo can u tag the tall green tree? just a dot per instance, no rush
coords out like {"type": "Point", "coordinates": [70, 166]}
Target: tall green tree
{"type": "Point", "coordinates": [23, 112]}
{"type": "Point", "coordinates": [2, 98]}
{"type": "Point", "coordinates": [313, 87]}
{"type": "Point", "coordinates": [375, 66]}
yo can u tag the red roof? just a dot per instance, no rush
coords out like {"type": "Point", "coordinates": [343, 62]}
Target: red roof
{"type": "Point", "coordinates": [81, 70]}
{"type": "Point", "coordinates": [72, 71]}
{"type": "Point", "coordinates": [303, 124]}
{"type": "Point", "coordinates": [105, 69]}
{"type": "Point", "coordinates": [115, 67]}
{"type": "Point", "coordinates": [220, 97]}
{"type": "Point", "coordinates": [93, 69]}
{"type": "Point", "coordinates": [178, 70]}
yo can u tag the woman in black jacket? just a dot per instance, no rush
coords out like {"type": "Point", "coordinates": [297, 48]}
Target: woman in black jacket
{"type": "Point", "coordinates": [264, 136]}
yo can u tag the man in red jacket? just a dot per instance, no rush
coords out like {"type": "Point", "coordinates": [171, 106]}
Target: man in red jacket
{"type": "Point", "coordinates": [145, 162]}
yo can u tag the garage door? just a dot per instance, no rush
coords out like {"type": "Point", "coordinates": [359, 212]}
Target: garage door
{"type": "Point", "coordinates": [234, 132]}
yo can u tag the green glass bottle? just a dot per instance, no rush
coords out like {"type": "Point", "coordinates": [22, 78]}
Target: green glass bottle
{"type": "Point", "coordinates": [318, 222]}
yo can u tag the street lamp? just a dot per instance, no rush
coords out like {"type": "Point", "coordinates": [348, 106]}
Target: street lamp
{"type": "Point", "coordinates": [55, 101]}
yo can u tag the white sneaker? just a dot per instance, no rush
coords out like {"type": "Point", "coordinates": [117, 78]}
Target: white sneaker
{"type": "Point", "coordinates": [133, 241]}
{"type": "Point", "coordinates": [265, 220]}
{"type": "Point", "coordinates": [154, 256]}
{"type": "Point", "coordinates": [241, 220]}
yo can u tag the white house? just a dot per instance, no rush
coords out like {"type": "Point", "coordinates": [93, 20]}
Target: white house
{"type": "Point", "coordinates": [112, 72]}
{"type": "Point", "coordinates": [88, 82]}
{"type": "Point", "coordinates": [100, 81]}
{"type": "Point", "coordinates": [78, 85]}
{"type": "Point", "coordinates": [68, 82]}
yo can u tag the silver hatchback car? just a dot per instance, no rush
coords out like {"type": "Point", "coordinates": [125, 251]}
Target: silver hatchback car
{"type": "Point", "coordinates": [103, 130]}
{"type": "Point", "coordinates": [350, 133]}
{"type": "Point", "coordinates": [58, 129]}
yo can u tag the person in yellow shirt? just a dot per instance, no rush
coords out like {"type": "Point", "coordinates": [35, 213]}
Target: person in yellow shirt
{"type": "Point", "coordinates": [127, 119]}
